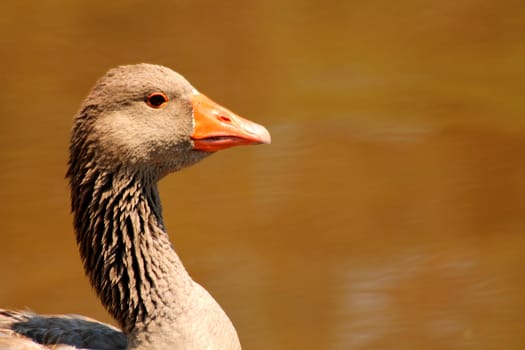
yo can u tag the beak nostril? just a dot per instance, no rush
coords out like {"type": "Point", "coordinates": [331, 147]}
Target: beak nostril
{"type": "Point", "coordinates": [223, 118]}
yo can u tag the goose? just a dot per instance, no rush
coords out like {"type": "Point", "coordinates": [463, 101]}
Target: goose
{"type": "Point", "coordinates": [139, 123]}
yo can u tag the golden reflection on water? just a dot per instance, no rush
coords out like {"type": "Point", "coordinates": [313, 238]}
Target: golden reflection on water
{"type": "Point", "coordinates": [387, 213]}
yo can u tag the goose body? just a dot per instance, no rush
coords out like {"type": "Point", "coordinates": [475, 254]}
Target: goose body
{"type": "Point", "coordinates": [138, 124]}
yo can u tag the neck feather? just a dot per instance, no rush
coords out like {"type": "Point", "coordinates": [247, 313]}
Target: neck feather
{"type": "Point", "coordinates": [125, 250]}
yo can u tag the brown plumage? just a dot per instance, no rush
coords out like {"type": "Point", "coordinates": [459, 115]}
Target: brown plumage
{"type": "Point", "coordinates": [139, 123]}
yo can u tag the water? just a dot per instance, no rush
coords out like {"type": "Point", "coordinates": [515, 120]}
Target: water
{"type": "Point", "coordinates": [387, 213]}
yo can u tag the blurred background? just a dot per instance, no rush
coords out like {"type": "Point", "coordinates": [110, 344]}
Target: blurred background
{"type": "Point", "coordinates": [388, 213]}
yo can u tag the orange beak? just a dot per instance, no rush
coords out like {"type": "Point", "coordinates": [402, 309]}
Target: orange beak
{"type": "Point", "coordinates": [217, 128]}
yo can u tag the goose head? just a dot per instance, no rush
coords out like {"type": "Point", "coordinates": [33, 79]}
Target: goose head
{"type": "Point", "coordinates": [149, 118]}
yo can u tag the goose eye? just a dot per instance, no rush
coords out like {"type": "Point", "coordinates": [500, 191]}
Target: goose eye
{"type": "Point", "coordinates": [157, 100]}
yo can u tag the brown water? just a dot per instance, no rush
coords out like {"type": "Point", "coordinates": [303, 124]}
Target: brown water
{"type": "Point", "coordinates": [387, 214]}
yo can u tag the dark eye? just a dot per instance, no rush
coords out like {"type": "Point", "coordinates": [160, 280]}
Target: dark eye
{"type": "Point", "coordinates": [157, 100]}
